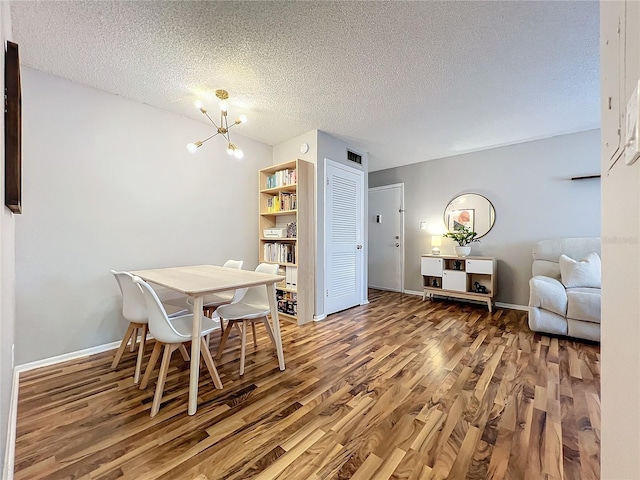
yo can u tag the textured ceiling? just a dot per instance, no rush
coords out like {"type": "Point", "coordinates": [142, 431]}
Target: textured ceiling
{"type": "Point", "coordinates": [405, 81]}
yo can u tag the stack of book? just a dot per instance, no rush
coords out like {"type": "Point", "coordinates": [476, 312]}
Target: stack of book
{"type": "Point", "coordinates": [279, 253]}
{"type": "Point", "coordinates": [282, 202]}
{"type": "Point", "coordinates": [282, 178]}
{"type": "Point", "coordinates": [287, 302]}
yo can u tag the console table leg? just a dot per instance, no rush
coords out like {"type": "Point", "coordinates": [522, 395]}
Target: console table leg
{"type": "Point", "coordinates": [489, 304]}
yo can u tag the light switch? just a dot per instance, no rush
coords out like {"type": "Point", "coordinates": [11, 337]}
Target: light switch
{"type": "Point", "coordinates": [423, 225]}
{"type": "Point", "coordinates": [632, 136]}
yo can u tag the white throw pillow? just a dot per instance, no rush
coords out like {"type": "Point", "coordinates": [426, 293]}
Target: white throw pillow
{"type": "Point", "coordinates": [585, 273]}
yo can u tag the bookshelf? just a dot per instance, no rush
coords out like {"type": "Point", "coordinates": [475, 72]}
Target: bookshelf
{"type": "Point", "coordinates": [287, 195]}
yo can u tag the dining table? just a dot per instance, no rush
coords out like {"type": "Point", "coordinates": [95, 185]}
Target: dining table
{"type": "Point", "coordinates": [196, 281]}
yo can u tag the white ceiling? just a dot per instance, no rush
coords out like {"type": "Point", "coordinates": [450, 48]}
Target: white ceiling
{"type": "Point", "coordinates": [405, 81]}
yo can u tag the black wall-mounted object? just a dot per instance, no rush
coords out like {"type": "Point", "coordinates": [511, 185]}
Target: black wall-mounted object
{"type": "Point", "coordinates": [585, 177]}
{"type": "Point", "coordinates": [12, 129]}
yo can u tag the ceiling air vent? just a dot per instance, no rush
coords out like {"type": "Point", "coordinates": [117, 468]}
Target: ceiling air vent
{"type": "Point", "coordinates": [354, 157]}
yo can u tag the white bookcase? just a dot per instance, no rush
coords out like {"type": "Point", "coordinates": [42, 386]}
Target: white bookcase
{"type": "Point", "coordinates": [465, 278]}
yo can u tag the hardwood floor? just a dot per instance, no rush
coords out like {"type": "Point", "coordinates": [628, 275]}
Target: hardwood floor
{"type": "Point", "coordinates": [399, 388]}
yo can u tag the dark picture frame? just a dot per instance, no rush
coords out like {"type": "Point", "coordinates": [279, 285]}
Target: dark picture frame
{"type": "Point", "coordinates": [12, 129]}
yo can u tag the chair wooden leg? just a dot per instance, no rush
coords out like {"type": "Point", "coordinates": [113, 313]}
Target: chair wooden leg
{"type": "Point", "coordinates": [213, 371]}
{"type": "Point", "coordinates": [253, 330]}
{"type": "Point", "coordinates": [152, 364]}
{"type": "Point", "coordinates": [184, 353]}
{"type": "Point", "coordinates": [123, 345]}
{"type": "Point", "coordinates": [267, 325]}
{"type": "Point", "coordinates": [243, 346]}
{"type": "Point", "coordinates": [207, 339]}
{"type": "Point", "coordinates": [143, 342]}
{"type": "Point", "coordinates": [221, 328]}
{"type": "Point", "coordinates": [223, 341]}
{"type": "Point", "coordinates": [134, 339]}
{"type": "Point", "coordinates": [162, 376]}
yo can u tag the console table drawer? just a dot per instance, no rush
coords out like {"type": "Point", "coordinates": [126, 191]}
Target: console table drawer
{"type": "Point", "coordinates": [454, 280]}
{"type": "Point", "coordinates": [431, 267]}
{"type": "Point", "coordinates": [480, 266]}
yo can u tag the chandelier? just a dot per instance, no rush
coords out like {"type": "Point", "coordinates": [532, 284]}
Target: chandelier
{"type": "Point", "coordinates": [223, 128]}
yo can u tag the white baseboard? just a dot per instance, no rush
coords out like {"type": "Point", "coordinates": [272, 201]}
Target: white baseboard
{"type": "Point", "coordinates": [317, 318]}
{"type": "Point", "coordinates": [512, 306]}
{"type": "Point", "coordinates": [413, 292]}
{"type": "Point", "coordinates": [45, 362]}
{"type": "Point", "coordinates": [10, 448]}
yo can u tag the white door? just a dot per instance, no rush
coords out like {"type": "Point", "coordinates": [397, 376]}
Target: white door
{"type": "Point", "coordinates": [386, 237]}
{"type": "Point", "coordinates": [344, 212]}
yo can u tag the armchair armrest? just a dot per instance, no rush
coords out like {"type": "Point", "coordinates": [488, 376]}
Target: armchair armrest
{"type": "Point", "coordinates": [549, 294]}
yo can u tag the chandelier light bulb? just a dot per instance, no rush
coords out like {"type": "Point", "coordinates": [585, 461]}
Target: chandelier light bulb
{"type": "Point", "coordinates": [243, 118]}
{"type": "Point", "coordinates": [230, 149]}
{"type": "Point", "coordinates": [224, 105]}
{"type": "Point", "coordinates": [238, 153]}
{"type": "Point", "coordinates": [192, 147]}
{"type": "Point", "coordinates": [199, 105]}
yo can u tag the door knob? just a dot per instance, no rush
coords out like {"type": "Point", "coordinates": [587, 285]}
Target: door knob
{"type": "Point", "coordinates": [358, 247]}
{"type": "Point", "coordinates": [397, 244]}
{"type": "Point", "coordinates": [397, 237]}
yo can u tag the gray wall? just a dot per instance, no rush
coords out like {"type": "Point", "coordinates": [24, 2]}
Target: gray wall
{"type": "Point", "coordinates": [529, 185]}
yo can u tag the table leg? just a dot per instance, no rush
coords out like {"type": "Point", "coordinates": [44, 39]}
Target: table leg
{"type": "Point", "coordinates": [195, 354]}
{"type": "Point", "coordinates": [271, 293]}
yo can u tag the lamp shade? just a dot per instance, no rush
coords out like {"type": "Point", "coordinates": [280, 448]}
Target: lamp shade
{"type": "Point", "coordinates": [436, 242]}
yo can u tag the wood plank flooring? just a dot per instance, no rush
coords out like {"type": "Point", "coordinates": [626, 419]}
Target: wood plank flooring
{"type": "Point", "coordinates": [397, 389]}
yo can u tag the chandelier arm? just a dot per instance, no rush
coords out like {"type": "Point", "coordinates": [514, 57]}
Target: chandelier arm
{"type": "Point", "coordinates": [209, 138]}
{"type": "Point", "coordinates": [210, 119]}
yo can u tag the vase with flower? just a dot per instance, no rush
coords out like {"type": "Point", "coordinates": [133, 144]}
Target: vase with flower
{"type": "Point", "coordinates": [463, 237]}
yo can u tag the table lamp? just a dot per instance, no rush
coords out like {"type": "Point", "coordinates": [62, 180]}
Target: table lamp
{"type": "Point", "coordinates": [436, 241]}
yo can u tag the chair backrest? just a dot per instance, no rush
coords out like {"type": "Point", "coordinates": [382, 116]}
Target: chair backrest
{"type": "Point", "coordinates": [241, 292]}
{"type": "Point", "coordinates": [546, 253]}
{"type": "Point", "coordinates": [257, 296]}
{"type": "Point", "coordinates": [159, 324]}
{"type": "Point", "coordinates": [134, 306]}
{"type": "Point", "coordinates": [233, 264]}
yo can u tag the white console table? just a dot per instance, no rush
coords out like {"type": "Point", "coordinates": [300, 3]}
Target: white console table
{"type": "Point", "coordinates": [466, 278]}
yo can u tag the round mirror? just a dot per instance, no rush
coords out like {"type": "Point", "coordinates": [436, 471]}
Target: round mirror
{"type": "Point", "coordinates": [472, 211]}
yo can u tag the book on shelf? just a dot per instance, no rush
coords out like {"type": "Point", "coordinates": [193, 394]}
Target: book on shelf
{"type": "Point", "coordinates": [291, 277]}
{"type": "Point", "coordinates": [282, 178]}
{"type": "Point", "coordinates": [279, 252]}
{"type": "Point", "coordinates": [284, 201]}
{"type": "Point", "coordinates": [287, 302]}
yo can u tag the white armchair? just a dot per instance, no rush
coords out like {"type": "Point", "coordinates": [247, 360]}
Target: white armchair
{"type": "Point", "coordinates": [558, 309]}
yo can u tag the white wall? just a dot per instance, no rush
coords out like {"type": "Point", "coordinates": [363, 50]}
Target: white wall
{"type": "Point", "coordinates": [529, 185]}
{"type": "Point", "coordinates": [620, 260]}
{"type": "Point", "coordinates": [7, 271]}
{"type": "Point", "coordinates": [109, 184]}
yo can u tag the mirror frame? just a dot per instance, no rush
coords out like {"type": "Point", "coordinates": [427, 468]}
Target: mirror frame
{"type": "Point", "coordinates": [444, 214]}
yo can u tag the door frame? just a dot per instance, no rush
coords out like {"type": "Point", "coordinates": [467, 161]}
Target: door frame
{"type": "Point", "coordinates": [365, 239]}
{"type": "Point", "coordinates": [402, 228]}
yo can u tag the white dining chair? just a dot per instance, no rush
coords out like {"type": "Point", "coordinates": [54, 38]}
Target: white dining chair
{"type": "Point", "coordinates": [134, 309]}
{"type": "Point", "coordinates": [253, 307]}
{"type": "Point", "coordinates": [212, 301]}
{"type": "Point", "coordinates": [172, 334]}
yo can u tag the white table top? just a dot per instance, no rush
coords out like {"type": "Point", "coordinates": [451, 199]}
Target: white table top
{"type": "Point", "coordinates": [203, 279]}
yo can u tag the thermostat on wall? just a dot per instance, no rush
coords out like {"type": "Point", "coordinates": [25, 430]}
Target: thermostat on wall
{"type": "Point", "coordinates": [304, 148]}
